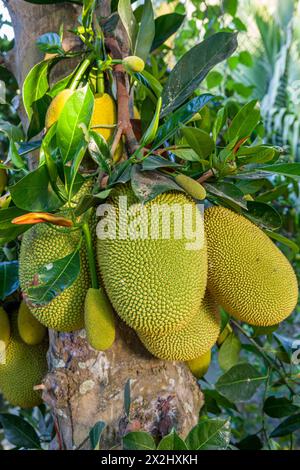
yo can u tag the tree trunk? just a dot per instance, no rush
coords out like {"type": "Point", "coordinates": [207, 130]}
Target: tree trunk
{"type": "Point", "coordinates": [84, 386]}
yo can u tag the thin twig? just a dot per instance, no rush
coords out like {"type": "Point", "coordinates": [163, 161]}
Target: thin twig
{"type": "Point", "coordinates": [207, 175]}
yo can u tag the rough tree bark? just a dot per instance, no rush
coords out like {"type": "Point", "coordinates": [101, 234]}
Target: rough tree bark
{"type": "Point", "coordinates": [84, 386]}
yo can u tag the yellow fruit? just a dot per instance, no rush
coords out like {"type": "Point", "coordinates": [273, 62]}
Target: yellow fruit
{"type": "Point", "coordinates": [223, 335]}
{"type": "Point", "coordinates": [3, 180]}
{"type": "Point", "coordinates": [154, 282]}
{"type": "Point", "coordinates": [31, 331]}
{"type": "Point", "coordinates": [194, 340]}
{"type": "Point", "coordinates": [105, 113]}
{"type": "Point", "coordinates": [248, 275]}
{"type": "Point", "coordinates": [24, 367]}
{"type": "Point", "coordinates": [56, 107]}
{"type": "Point", "coordinates": [99, 320]}
{"type": "Point", "coordinates": [133, 63]}
{"type": "Point", "coordinates": [191, 186]}
{"type": "Point", "coordinates": [4, 330]}
{"type": "Point", "coordinates": [199, 366]}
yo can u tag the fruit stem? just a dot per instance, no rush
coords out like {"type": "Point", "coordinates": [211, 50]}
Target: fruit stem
{"type": "Point", "coordinates": [90, 254]}
{"type": "Point", "coordinates": [80, 71]}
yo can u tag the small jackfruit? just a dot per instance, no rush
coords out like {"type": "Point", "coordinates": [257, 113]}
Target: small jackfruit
{"type": "Point", "coordinates": [199, 366]}
{"type": "Point", "coordinates": [133, 63]}
{"type": "Point", "coordinates": [23, 368]}
{"type": "Point", "coordinates": [153, 278]}
{"type": "Point", "coordinates": [4, 328]}
{"type": "Point", "coordinates": [248, 275]}
{"type": "Point", "coordinates": [224, 334]}
{"type": "Point", "coordinates": [99, 320]}
{"type": "Point", "coordinates": [192, 341]}
{"type": "Point", "coordinates": [191, 186]}
{"type": "Point", "coordinates": [105, 113]}
{"type": "Point", "coordinates": [56, 107]}
{"type": "Point", "coordinates": [31, 330]}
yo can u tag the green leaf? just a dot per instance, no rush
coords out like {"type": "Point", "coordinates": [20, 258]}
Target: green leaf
{"type": "Point", "coordinates": [227, 191]}
{"type": "Point", "coordinates": [155, 161]}
{"type": "Point", "coordinates": [148, 184]}
{"type": "Point", "coordinates": [146, 32]}
{"type": "Point", "coordinates": [14, 156]}
{"type": "Point", "coordinates": [151, 130]}
{"type": "Point", "coordinates": [288, 426]}
{"type": "Point", "coordinates": [279, 407]}
{"type": "Point", "coordinates": [244, 122]}
{"type": "Point", "coordinates": [127, 398]}
{"type": "Point", "coordinates": [95, 434]}
{"type": "Point", "coordinates": [255, 154]}
{"type": "Point", "coordinates": [209, 434]}
{"type": "Point", "coordinates": [9, 231]}
{"type": "Point", "coordinates": [99, 151]}
{"type": "Point", "coordinates": [230, 6]}
{"type": "Point", "coordinates": [78, 110]}
{"type": "Point", "coordinates": [199, 140]}
{"type": "Point", "coordinates": [251, 442]}
{"type": "Point", "coordinates": [150, 84]}
{"type": "Point", "coordinates": [138, 440]}
{"type": "Point", "coordinates": [187, 154]}
{"type": "Point", "coordinates": [219, 123]}
{"type": "Point", "coordinates": [181, 116]}
{"type": "Point", "coordinates": [53, 278]}
{"type": "Point", "coordinates": [240, 382]}
{"type": "Point", "coordinates": [50, 43]}
{"type": "Point", "coordinates": [172, 442]}
{"type": "Point", "coordinates": [263, 330]}
{"type": "Point", "coordinates": [214, 79]}
{"type": "Point", "coordinates": [193, 67]}
{"type": "Point", "coordinates": [19, 432]}
{"type": "Point", "coordinates": [284, 240]}
{"type": "Point", "coordinates": [229, 352]}
{"type": "Point", "coordinates": [213, 395]}
{"type": "Point", "coordinates": [263, 214]}
{"type": "Point", "coordinates": [34, 192]}
{"type": "Point", "coordinates": [37, 121]}
{"type": "Point", "coordinates": [9, 278]}
{"type": "Point", "coordinates": [245, 58]}
{"type": "Point", "coordinates": [11, 131]}
{"type": "Point", "coordinates": [128, 20]}
{"type": "Point", "coordinates": [35, 85]}
{"type": "Point", "coordinates": [291, 170]}
{"type": "Point", "coordinates": [166, 26]}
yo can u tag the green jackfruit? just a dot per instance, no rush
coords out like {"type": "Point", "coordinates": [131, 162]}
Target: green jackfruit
{"type": "Point", "coordinates": [248, 275]}
{"type": "Point", "coordinates": [155, 283]}
{"type": "Point", "coordinates": [194, 340]}
{"type": "Point", "coordinates": [4, 328]}
{"type": "Point", "coordinates": [24, 367]}
{"type": "Point", "coordinates": [31, 330]}
{"type": "Point", "coordinates": [191, 186]}
{"type": "Point", "coordinates": [199, 366]}
{"type": "Point", "coordinates": [99, 320]}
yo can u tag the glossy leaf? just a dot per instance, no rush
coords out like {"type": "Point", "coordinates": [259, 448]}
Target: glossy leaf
{"type": "Point", "coordinates": [128, 20]}
{"type": "Point", "coordinates": [263, 214]}
{"type": "Point", "coordinates": [288, 426]}
{"type": "Point", "coordinates": [240, 382]}
{"type": "Point", "coordinates": [146, 185]}
{"type": "Point", "coordinates": [244, 122]}
{"type": "Point", "coordinates": [181, 116]}
{"type": "Point", "coordinates": [50, 43]}
{"type": "Point", "coordinates": [77, 111]}
{"type": "Point", "coordinates": [99, 151]}
{"type": "Point", "coordinates": [291, 170]}
{"type": "Point", "coordinates": [37, 121]}
{"type": "Point", "coordinates": [187, 154]}
{"type": "Point", "coordinates": [138, 440]}
{"type": "Point", "coordinates": [95, 434]}
{"type": "Point", "coordinates": [227, 191]}
{"type": "Point", "coordinates": [11, 131]}
{"type": "Point", "coordinates": [284, 240]}
{"type": "Point", "coordinates": [9, 231]}
{"type": "Point", "coordinates": [209, 434]}
{"type": "Point", "coordinates": [193, 67]}
{"type": "Point", "coordinates": [9, 278]}
{"type": "Point", "coordinates": [155, 161]}
{"type": "Point", "coordinates": [229, 352]}
{"type": "Point", "coordinates": [19, 432]}
{"type": "Point", "coordinates": [172, 442]}
{"type": "Point", "coordinates": [255, 154]}
{"type": "Point", "coordinates": [213, 395]}
{"type": "Point", "coordinates": [53, 278]}
{"type": "Point", "coordinates": [146, 32]}
{"type": "Point", "coordinates": [34, 193]}
{"type": "Point", "coordinates": [199, 140]}
{"type": "Point", "coordinates": [279, 407]}
{"type": "Point", "coordinates": [165, 26]}
{"type": "Point", "coordinates": [35, 85]}
{"type": "Point", "coordinates": [219, 123]}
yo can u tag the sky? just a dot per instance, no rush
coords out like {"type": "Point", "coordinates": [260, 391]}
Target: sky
{"type": "Point", "coordinates": [5, 30]}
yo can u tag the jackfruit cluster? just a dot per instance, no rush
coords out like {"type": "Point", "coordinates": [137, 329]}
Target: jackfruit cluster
{"type": "Point", "coordinates": [22, 367]}
{"type": "Point", "coordinates": [99, 320]}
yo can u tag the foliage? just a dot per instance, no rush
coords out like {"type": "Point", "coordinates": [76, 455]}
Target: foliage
{"type": "Point", "coordinates": [217, 139]}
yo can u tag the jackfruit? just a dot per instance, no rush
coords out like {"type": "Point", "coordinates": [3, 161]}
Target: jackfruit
{"type": "Point", "coordinates": [4, 328]}
{"type": "Point", "coordinates": [248, 275]}
{"type": "Point", "coordinates": [105, 113]}
{"type": "Point", "coordinates": [31, 331]}
{"type": "Point", "coordinates": [41, 245]}
{"type": "Point", "coordinates": [199, 366]}
{"type": "Point", "coordinates": [24, 367]}
{"type": "Point", "coordinates": [56, 107]}
{"type": "Point", "coordinates": [99, 320]}
{"type": "Point", "coordinates": [224, 334]}
{"type": "Point", "coordinates": [133, 63]}
{"type": "Point", "coordinates": [193, 340]}
{"type": "Point", "coordinates": [155, 281]}
{"type": "Point", "coordinates": [191, 186]}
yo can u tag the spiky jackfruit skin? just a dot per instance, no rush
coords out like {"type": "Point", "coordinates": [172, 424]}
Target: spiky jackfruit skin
{"type": "Point", "coordinates": [56, 107]}
{"type": "Point", "coordinates": [155, 285]}
{"type": "Point", "coordinates": [25, 367]}
{"type": "Point", "coordinates": [248, 275]}
{"type": "Point", "coordinates": [192, 341]}
{"type": "Point", "coordinates": [41, 245]}
{"type": "Point", "coordinates": [105, 112]}
{"type": "Point", "coordinates": [99, 320]}
{"type": "Point", "coordinates": [200, 365]}
{"type": "Point", "coordinates": [31, 330]}
{"type": "Point", "coordinates": [4, 328]}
